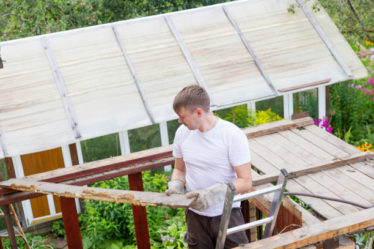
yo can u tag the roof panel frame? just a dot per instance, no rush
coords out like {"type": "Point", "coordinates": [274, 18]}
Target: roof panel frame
{"type": "Point", "coordinates": [3, 149]}
{"type": "Point", "coordinates": [133, 74]}
{"type": "Point", "coordinates": [313, 21]}
{"type": "Point", "coordinates": [187, 55]}
{"type": "Point", "coordinates": [250, 50]}
{"type": "Point", "coordinates": [61, 88]}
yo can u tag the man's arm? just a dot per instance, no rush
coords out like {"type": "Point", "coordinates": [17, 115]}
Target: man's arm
{"type": "Point", "coordinates": [179, 171]}
{"type": "Point", "coordinates": [243, 183]}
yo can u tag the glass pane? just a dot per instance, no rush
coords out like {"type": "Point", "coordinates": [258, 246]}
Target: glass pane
{"type": "Point", "coordinates": [145, 138]}
{"type": "Point", "coordinates": [101, 147]}
{"type": "Point", "coordinates": [306, 101]}
{"type": "Point", "coordinates": [172, 128]}
{"type": "Point", "coordinates": [3, 169]}
{"type": "Point", "coordinates": [275, 104]}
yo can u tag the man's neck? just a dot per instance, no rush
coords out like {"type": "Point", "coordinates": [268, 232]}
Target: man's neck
{"type": "Point", "coordinates": [209, 122]}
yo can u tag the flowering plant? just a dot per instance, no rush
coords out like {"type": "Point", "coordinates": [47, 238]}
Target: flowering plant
{"type": "Point", "coordinates": [365, 147]}
{"type": "Point", "coordinates": [368, 90]}
{"type": "Point", "coordinates": [324, 124]}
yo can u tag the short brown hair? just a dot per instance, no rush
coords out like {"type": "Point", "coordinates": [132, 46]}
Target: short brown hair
{"type": "Point", "coordinates": [192, 97]}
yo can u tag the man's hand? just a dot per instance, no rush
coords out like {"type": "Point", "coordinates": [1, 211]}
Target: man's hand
{"type": "Point", "coordinates": [175, 187]}
{"type": "Point", "coordinates": [205, 198]}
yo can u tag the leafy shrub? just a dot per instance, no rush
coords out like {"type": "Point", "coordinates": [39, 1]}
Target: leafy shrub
{"type": "Point", "coordinates": [111, 225]}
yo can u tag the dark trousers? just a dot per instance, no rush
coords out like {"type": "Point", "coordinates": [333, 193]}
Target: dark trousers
{"type": "Point", "coordinates": [202, 231]}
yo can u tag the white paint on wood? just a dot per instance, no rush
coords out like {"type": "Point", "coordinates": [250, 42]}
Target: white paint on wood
{"type": "Point", "coordinates": [26, 205]}
{"type": "Point", "coordinates": [287, 105]}
{"type": "Point", "coordinates": [66, 156]}
{"type": "Point", "coordinates": [252, 106]}
{"type": "Point", "coordinates": [321, 102]}
{"type": "Point", "coordinates": [124, 142]}
{"type": "Point", "coordinates": [51, 205]}
{"type": "Point", "coordinates": [165, 139]}
{"type": "Point", "coordinates": [79, 152]}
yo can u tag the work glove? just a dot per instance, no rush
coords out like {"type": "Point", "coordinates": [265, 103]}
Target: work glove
{"type": "Point", "coordinates": [208, 197]}
{"type": "Point", "coordinates": [175, 187]}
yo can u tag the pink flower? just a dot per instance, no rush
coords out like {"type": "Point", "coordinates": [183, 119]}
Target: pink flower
{"type": "Point", "coordinates": [368, 91]}
{"type": "Point", "coordinates": [363, 89]}
{"type": "Point", "coordinates": [330, 129]}
{"type": "Point", "coordinates": [358, 86]}
{"type": "Point", "coordinates": [373, 99]}
{"type": "Point", "coordinates": [325, 123]}
{"type": "Point", "coordinates": [351, 85]}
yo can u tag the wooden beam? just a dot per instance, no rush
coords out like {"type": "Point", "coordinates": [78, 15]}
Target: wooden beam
{"type": "Point", "coordinates": [140, 214]}
{"type": "Point", "coordinates": [317, 232]}
{"type": "Point", "coordinates": [71, 223]}
{"type": "Point", "coordinates": [277, 126]}
{"type": "Point", "coordinates": [303, 171]}
{"type": "Point", "coordinates": [315, 83]}
{"type": "Point", "coordinates": [99, 194]}
{"type": "Point", "coordinates": [9, 226]}
{"type": "Point", "coordinates": [20, 196]}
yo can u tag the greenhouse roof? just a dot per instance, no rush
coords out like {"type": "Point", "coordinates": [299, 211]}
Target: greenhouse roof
{"type": "Point", "coordinates": [59, 88]}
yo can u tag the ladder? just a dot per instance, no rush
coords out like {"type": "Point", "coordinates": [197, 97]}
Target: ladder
{"type": "Point", "coordinates": [270, 221]}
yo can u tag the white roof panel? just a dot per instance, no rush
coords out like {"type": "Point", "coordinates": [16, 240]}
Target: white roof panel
{"type": "Point", "coordinates": [107, 78]}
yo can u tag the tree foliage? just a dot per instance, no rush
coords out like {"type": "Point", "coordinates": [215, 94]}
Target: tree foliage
{"type": "Point", "coordinates": [22, 18]}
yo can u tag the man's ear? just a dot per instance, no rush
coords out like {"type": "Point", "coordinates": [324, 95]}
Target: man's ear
{"type": "Point", "coordinates": [199, 112]}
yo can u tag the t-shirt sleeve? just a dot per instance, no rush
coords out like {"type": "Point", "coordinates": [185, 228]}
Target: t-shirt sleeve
{"type": "Point", "coordinates": [239, 153]}
{"type": "Point", "coordinates": [177, 152]}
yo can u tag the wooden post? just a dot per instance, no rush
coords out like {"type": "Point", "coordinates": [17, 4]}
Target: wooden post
{"type": "Point", "coordinates": [9, 226]}
{"type": "Point", "coordinates": [252, 217]}
{"type": "Point", "coordinates": [259, 228]}
{"type": "Point", "coordinates": [70, 218]}
{"type": "Point", "coordinates": [140, 214]}
{"type": "Point", "coordinates": [245, 212]}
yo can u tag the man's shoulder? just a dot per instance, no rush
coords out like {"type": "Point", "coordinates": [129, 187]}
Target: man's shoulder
{"type": "Point", "coordinates": [227, 125]}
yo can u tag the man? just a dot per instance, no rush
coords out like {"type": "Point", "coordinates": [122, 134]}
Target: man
{"type": "Point", "coordinates": [209, 153]}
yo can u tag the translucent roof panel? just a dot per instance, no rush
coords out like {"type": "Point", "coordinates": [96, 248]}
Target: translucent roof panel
{"type": "Point", "coordinates": [124, 75]}
{"type": "Point", "coordinates": [158, 63]}
{"type": "Point", "coordinates": [31, 110]}
{"type": "Point", "coordinates": [101, 89]}
{"type": "Point", "coordinates": [225, 64]}
{"type": "Point", "coordinates": [341, 45]}
{"type": "Point", "coordinates": [287, 45]}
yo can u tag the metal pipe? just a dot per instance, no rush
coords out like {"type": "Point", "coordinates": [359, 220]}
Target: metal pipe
{"type": "Point", "coordinates": [329, 198]}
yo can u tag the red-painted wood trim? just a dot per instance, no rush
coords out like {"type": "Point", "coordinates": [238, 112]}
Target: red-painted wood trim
{"type": "Point", "coordinates": [15, 196]}
{"type": "Point", "coordinates": [73, 154]}
{"type": "Point", "coordinates": [245, 212]}
{"type": "Point", "coordinates": [70, 218]}
{"type": "Point", "coordinates": [140, 214]}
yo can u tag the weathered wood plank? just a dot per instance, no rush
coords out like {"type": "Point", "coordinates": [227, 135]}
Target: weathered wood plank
{"type": "Point", "coordinates": [318, 232]}
{"type": "Point", "coordinates": [277, 126]}
{"type": "Point", "coordinates": [307, 145]}
{"type": "Point", "coordinates": [334, 140]}
{"type": "Point", "coordinates": [302, 171]}
{"type": "Point", "coordinates": [110, 195]}
{"type": "Point", "coordinates": [315, 83]}
{"type": "Point", "coordinates": [344, 175]}
{"type": "Point", "coordinates": [365, 167]}
{"type": "Point", "coordinates": [319, 206]}
{"type": "Point", "coordinates": [316, 188]}
{"type": "Point", "coordinates": [331, 149]}
{"type": "Point", "coordinates": [260, 163]}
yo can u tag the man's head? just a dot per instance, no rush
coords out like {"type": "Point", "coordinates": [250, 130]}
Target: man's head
{"type": "Point", "coordinates": [192, 97]}
{"type": "Point", "coordinates": [192, 104]}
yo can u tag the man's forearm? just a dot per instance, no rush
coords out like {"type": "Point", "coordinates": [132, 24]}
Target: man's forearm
{"type": "Point", "coordinates": [242, 185]}
{"type": "Point", "coordinates": [178, 174]}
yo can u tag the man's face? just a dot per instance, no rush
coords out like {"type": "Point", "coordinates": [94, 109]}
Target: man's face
{"type": "Point", "coordinates": [191, 119]}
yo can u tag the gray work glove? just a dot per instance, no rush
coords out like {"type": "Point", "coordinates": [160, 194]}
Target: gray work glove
{"type": "Point", "coordinates": [175, 187]}
{"type": "Point", "coordinates": [207, 197]}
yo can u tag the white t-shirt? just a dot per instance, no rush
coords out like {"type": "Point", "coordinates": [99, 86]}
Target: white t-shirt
{"type": "Point", "coordinates": [210, 157]}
